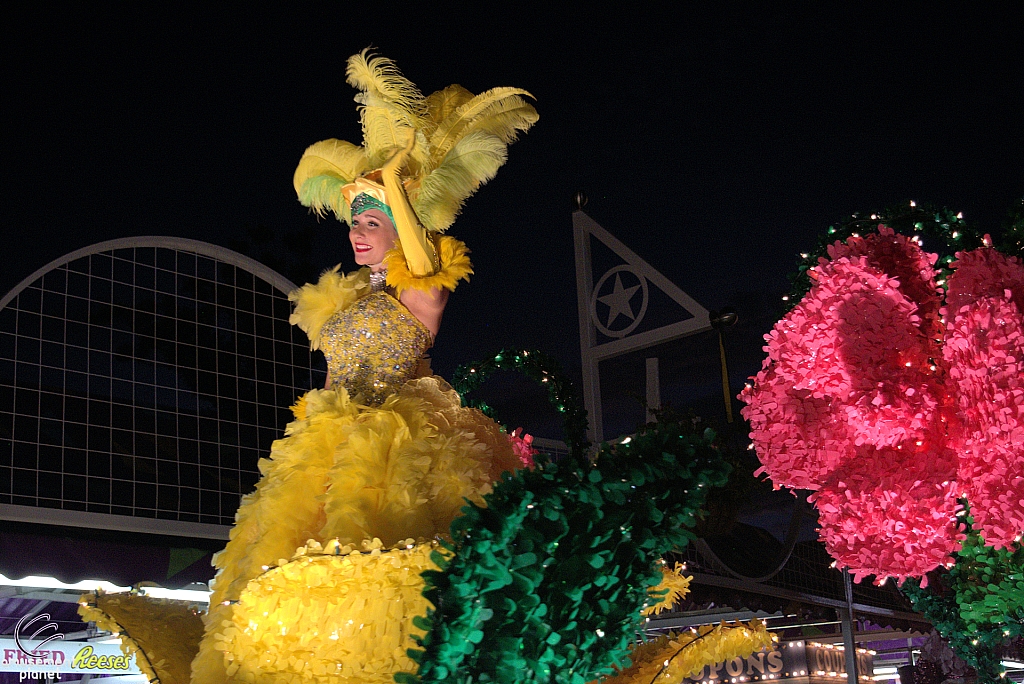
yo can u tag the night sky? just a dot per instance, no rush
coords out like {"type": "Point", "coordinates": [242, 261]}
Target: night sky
{"type": "Point", "coordinates": [716, 143]}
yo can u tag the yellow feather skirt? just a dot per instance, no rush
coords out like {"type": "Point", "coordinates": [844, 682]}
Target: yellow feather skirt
{"type": "Point", "coordinates": [361, 492]}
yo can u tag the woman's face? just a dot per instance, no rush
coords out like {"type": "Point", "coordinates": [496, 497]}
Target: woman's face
{"type": "Point", "coordinates": [372, 235]}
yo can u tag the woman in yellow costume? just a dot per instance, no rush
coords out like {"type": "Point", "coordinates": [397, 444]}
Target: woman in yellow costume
{"type": "Point", "coordinates": [380, 461]}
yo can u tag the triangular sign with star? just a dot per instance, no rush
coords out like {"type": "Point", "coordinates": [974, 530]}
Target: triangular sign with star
{"type": "Point", "coordinates": [611, 311]}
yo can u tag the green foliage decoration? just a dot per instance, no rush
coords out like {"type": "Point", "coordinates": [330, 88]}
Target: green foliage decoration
{"type": "Point", "coordinates": [732, 441]}
{"type": "Point", "coordinates": [548, 581]}
{"type": "Point", "coordinates": [941, 231]}
{"type": "Point", "coordinates": [545, 371]}
{"type": "Point", "coordinates": [978, 604]}
{"type": "Point", "coordinates": [1011, 240]}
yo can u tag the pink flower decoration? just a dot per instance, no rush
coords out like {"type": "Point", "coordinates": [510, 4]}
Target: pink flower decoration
{"type": "Point", "coordinates": [852, 402]}
{"type": "Point", "coordinates": [522, 446]}
{"type": "Point", "coordinates": [848, 366]}
{"type": "Point", "coordinates": [982, 273]}
{"type": "Point", "coordinates": [985, 351]}
{"type": "Point", "coordinates": [903, 259]}
{"type": "Point", "coordinates": [799, 437]}
{"type": "Point", "coordinates": [891, 513]}
{"type": "Point", "coordinates": [868, 400]}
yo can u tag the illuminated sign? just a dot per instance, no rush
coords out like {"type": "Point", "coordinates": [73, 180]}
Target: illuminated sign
{"type": "Point", "coordinates": [64, 657]}
{"type": "Point", "coordinates": [805, 662]}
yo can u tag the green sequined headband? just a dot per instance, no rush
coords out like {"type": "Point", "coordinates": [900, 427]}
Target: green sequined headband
{"type": "Point", "coordinates": [362, 202]}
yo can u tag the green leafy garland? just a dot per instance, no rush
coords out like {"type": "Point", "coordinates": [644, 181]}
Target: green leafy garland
{"type": "Point", "coordinates": [1011, 241]}
{"type": "Point", "coordinates": [978, 604]}
{"type": "Point", "coordinates": [941, 232]}
{"type": "Point", "coordinates": [540, 367]}
{"type": "Point", "coordinates": [549, 579]}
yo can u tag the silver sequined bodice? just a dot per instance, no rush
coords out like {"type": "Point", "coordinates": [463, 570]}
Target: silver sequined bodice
{"type": "Point", "coordinates": [374, 346]}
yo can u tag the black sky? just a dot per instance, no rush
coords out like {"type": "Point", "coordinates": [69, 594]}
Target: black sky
{"type": "Point", "coordinates": [717, 143]}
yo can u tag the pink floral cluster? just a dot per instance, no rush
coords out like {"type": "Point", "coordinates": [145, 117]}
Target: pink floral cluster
{"type": "Point", "coordinates": [861, 401]}
{"type": "Point", "coordinates": [522, 446]}
{"type": "Point", "coordinates": [890, 512]}
{"type": "Point", "coordinates": [985, 352]}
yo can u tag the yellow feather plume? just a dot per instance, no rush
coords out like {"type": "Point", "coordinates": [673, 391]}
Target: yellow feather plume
{"type": "Point", "coordinates": [299, 408]}
{"type": "Point", "coordinates": [385, 128]}
{"type": "Point", "coordinates": [441, 104]}
{"type": "Point", "coordinates": [323, 169]}
{"type": "Point", "coordinates": [460, 142]}
{"type": "Point", "coordinates": [391, 104]}
{"type": "Point", "coordinates": [473, 161]}
{"type": "Point", "coordinates": [460, 122]}
{"type": "Point", "coordinates": [314, 304]}
{"type": "Point", "coordinates": [378, 76]}
{"type": "Point", "coordinates": [506, 118]}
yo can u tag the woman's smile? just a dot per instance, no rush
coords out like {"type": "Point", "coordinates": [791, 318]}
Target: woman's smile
{"type": "Point", "coordinates": [372, 235]}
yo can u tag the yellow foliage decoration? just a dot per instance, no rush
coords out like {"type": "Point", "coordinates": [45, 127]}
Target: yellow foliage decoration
{"type": "Point", "coordinates": [455, 266]}
{"type": "Point", "coordinates": [674, 586]}
{"type": "Point", "coordinates": [162, 634]}
{"type": "Point", "coordinates": [687, 653]}
{"type": "Point", "coordinates": [331, 614]}
{"type": "Point", "coordinates": [315, 303]}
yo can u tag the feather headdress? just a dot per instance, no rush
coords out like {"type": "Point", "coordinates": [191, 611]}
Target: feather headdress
{"type": "Point", "coordinates": [461, 140]}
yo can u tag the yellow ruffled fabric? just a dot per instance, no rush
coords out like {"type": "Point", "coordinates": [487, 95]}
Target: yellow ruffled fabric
{"type": "Point", "coordinates": [352, 473]}
{"type": "Point", "coordinates": [315, 303]}
{"type": "Point", "coordinates": [453, 257]}
{"type": "Point", "coordinates": [162, 634]}
{"type": "Point", "coordinates": [331, 614]}
{"type": "Point", "coordinates": [688, 653]}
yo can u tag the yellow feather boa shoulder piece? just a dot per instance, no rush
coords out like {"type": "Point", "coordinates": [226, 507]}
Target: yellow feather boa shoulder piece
{"type": "Point", "coordinates": [315, 303]}
{"type": "Point", "coordinates": [453, 256]}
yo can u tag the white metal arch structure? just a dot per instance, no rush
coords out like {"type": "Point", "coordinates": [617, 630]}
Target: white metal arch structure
{"type": "Point", "coordinates": [140, 381]}
{"type": "Point", "coordinates": [217, 252]}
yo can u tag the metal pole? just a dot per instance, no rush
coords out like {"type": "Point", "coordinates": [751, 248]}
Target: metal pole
{"type": "Point", "coordinates": [588, 335]}
{"type": "Point", "coordinates": [726, 393]}
{"type": "Point", "coordinates": [653, 389]}
{"type": "Point", "coordinates": [849, 644]}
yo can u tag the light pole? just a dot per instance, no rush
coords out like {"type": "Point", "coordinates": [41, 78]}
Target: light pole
{"type": "Point", "coordinates": [720, 320]}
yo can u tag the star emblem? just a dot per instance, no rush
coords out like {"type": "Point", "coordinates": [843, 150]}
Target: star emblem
{"type": "Point", "coordinates": [618, 301]}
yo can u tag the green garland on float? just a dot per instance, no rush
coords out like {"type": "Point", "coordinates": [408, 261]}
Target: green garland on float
{"type": "Point", "coordinates": [977, 605]}
{"type": "Point", "coordinates": [548, 580]}
{"type": "Point", "coordinates": [540, 367]}
{"type": "Point", "coordinates": [941, 231]}
{"type": "Point", "coordinates": [1011, 240]}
